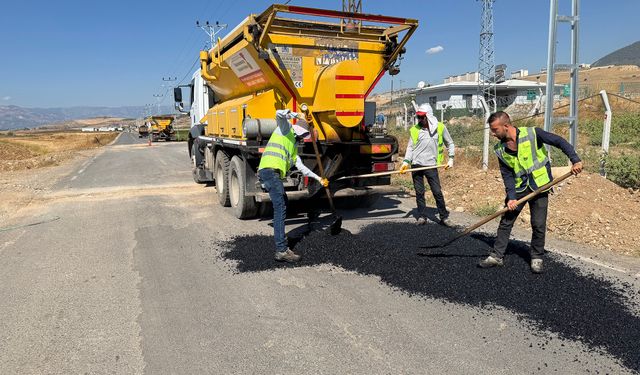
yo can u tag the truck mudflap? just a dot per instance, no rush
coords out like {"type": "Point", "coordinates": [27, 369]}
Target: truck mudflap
{"type": "Point", "coordinates": [345, 192]}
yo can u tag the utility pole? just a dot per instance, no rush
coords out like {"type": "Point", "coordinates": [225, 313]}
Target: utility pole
{"type": "Point", "coordinates": [211, 30]}
{"type": "Point", "coordinates": [169, 84]}
{"type": "Point", "coordinates": [486, 59]}
{"type": "Point", "coordinates": [486, 73]}
{"type": "Point", "coordinates": [351, 6]}
{"type": "Point", "coordinates": [573, 21]}
{"type": "Point", "coordinates": [158, 96]}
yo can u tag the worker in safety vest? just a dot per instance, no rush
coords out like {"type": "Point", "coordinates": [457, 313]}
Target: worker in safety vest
{"type": "Point", "coordinates": [280, 155]}
{"type": "Point", "coordinates": [525, 166]}
{"type": "Point", "coordinates": [427, 140]}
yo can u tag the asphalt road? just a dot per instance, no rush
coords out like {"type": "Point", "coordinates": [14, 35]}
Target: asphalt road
{"type": "Point", "coordinates": [128, 267]}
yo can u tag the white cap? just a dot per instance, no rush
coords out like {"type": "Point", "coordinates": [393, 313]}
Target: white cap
{"type": "Point", "coordinates": [300, 131]}
{"type": "Point", "coordinates": [424, 109]}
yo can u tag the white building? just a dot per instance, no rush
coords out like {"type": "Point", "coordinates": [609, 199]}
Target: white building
{"type": "Point", "coordinates": [470, 76]}
{"type": "Point", "coordinates": [464, 94]}
{"type": "Point", "coordinates": [519, 73]}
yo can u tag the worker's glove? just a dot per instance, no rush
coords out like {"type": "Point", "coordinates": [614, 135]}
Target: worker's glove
{"type": "Point", "coordinates": [286, 113]}
{"type": "Point", "coordinates": [324, 182]}
{"type": "Point", "coordinates": [449, 163]}
{"type": "Point", "coordinates": [404, 167]}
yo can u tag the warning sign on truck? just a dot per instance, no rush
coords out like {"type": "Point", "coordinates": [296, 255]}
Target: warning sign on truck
{"type": "Point", "coordinates": [246, 68]}
{"type": "Point", "coordinates": [293, 64]}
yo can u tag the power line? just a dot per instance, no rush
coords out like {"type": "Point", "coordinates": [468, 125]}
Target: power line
{"type": "Point", "coordinates": [189, 71]}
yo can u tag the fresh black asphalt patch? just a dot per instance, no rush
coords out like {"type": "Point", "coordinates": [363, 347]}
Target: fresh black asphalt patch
{"type": "Point", "coordinates": [564, 300]}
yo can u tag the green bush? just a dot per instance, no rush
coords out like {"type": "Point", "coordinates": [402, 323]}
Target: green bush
{"type": "Point", "coordinates": [624, 170]}
{"type": "Point", "coordinates": [182, 135]}
{"type": "Point", "coordinates": [625, 129]}
{"type": "Point", "coordinates": [485, 209]}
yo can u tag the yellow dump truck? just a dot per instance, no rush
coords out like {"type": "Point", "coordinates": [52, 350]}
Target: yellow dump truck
{"type": "Point", "coordinates": [143, 130]}
{"type": "Point", "coordinates": [160, 127]}
{"type": "Point", "coordinates": [322, 63]}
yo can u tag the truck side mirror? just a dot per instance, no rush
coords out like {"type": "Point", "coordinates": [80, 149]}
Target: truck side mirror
{"type": "Point", "coordinates": [177, 94]}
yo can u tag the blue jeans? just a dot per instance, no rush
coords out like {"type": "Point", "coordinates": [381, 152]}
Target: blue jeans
{"type": "Point", "coordinates": [270, 180]}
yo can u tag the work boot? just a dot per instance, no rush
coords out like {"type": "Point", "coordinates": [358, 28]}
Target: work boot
{"type": "Point", "coordinates": [536, 265]}
{"type": "Point", "coordinates": [491, 261]}
{"type": "Point", "coordinates": [421, 221]}
{"type": "Point", "coordinates": [287, 256]}
{"type": "Point", "coordinates": [446, 222]}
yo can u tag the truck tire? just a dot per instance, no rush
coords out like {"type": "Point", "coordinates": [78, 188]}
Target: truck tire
{"type": "Point", "coordinates": [222, 178]}
{"type": "Point", "coordinates": [244, 207]}
{"type": "Point", "coordinates": [196, 170]}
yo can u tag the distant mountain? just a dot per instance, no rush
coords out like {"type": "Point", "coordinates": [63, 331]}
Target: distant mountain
{"type": "Point", "coordinates": [629, 55]}
{"type": "Point", "coordinates": [15, 117]}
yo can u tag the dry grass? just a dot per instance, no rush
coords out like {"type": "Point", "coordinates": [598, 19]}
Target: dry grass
{"type": "Point", "coordinates": [43, 149]}
{"type": "Point", "coordinates": [99, 120]}
{"type": "Point", "coordinates": [54, 142]}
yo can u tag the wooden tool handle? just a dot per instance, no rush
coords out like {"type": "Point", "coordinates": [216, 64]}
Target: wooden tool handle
{"type": "Point", "coordinates": [317, 152]}
{"type": "Point", "coordinates": [391, 172]}
{"type": "Point", "coordinates": [518, 202]}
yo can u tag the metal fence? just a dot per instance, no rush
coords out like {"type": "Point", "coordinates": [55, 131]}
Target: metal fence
{"type": "Point", "coordinates": [608, 132]}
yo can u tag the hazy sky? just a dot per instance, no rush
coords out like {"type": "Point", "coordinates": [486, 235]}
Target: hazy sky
{"type": "Point", "coordinates": [115, 53]}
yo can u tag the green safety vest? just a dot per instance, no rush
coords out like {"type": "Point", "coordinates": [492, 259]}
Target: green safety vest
{"type": "Point", "coordinates": [281, 152]}
{"type": "Point", "coordinates": [415, 131]}
{"type": "Point", "coordinates": [531, 160]}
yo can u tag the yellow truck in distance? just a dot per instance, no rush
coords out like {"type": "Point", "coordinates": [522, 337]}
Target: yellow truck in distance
{"type": "Point", "coordinates": [143, 130]}
{"type": "Point", "coordinates": [322, 63]}
{"type": "Point", "coordinates": [159, 127]}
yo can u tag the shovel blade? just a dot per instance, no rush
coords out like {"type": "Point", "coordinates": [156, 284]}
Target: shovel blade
{"type": "Point", "coordinates": [336, 226]}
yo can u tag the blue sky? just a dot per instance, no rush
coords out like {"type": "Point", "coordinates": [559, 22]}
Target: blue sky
{"type": "Point", "coordinates": [115, 53]}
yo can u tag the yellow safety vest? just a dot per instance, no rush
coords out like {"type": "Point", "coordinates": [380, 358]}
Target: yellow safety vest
{"type": "Point", "coordinates": [531, 160]}
{"type": "Point", "coordinates": [414, 132]}
{"type": "Point", "coordinates": [280, 153]}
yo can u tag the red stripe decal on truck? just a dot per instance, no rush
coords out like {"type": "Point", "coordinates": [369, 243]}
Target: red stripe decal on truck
{"type": "Point", "coordinates": [354, 113]}
{"type": "Point", "coordinates": [349, 78]}
{"type": "Point", "coordinates": [349, 96]}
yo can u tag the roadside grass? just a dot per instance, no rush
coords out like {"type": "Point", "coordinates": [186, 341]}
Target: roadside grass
{"type": "Point", "coordinates": [45, 143]}
{"type": "Point", "coordinates": [21, 149]}
{"type": "Point", "coordinates": [36, 150]}
{"type": "Point", "coordinates": [182, 135]}
{"type": "Point", "coordinates": [622, 164]}
{"type": "Point", "coordinates": [485, 209]}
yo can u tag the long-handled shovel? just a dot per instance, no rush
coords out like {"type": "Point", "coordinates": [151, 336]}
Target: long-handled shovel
{"type": "Point", "coordinates": [336, 226]}
{"type": "Point", "coordinates": [390, 172]}
{"type": "Point", "coordinates": [499, 213]}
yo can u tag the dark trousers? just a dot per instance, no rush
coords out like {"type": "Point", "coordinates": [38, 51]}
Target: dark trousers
{"type": "Point", "coordinates": [270, 180]}
{"type": "Point", "coordinates": [538, 206]}
{"type": "Point", "coordinates": [434, 184]}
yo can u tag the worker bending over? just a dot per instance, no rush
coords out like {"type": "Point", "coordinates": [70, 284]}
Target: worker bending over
{"type": "Point", "coordinates": [427, 140]}
{"type": "Point", "coordinates": [525, 166]}
{"type": "Point", "coordinates": [280, 155]}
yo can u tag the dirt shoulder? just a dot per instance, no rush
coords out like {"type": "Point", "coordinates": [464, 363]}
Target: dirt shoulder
{"type": "Point", "coordinates": [30, 165]}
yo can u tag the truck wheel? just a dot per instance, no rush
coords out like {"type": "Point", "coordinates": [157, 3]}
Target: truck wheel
{"type": "Point", "coordinates": [196, 170]}
{"type": "Point", "coordinates": [244, 207]}
{"type": "Point", "coordinates": [222, 178]}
